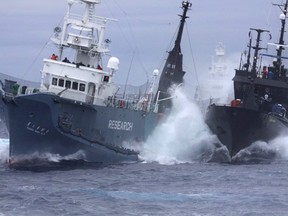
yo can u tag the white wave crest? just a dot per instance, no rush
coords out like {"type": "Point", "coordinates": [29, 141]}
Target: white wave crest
{"type": "Point", "coordinates": [38, 159]}
{"type": "Point", "coordinates": [183, 137]}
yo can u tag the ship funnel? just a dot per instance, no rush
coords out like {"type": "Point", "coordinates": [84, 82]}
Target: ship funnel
{"type": "Point", "coordinates": [113, 63]}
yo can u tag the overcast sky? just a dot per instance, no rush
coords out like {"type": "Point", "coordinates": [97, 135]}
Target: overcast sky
{"type": "Point", "coordinates": [145, 28]}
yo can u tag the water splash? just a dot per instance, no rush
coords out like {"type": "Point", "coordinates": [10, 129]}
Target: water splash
{"type": "Point", "coordinates": [182, 137]}
{"type": "Point", "coordinates": [4, 151]}
{"type": "Point", "coordinates": [259, 151]}
{"type": "Point", "coordinates": [280, 145]}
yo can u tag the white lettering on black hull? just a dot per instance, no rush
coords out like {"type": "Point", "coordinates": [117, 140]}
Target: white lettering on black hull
{"type": "Point", "coordinates": [37, 129]}
{"type": "Point", "coordinates": [120, 125]}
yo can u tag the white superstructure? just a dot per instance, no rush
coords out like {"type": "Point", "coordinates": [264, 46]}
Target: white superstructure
{"type": "Point", "coordinates": [219, 82]}
{"type": "Point", "coordinates": [83, 78]}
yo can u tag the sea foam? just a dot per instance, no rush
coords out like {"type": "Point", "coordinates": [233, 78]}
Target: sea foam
{"type": "Point", "coordinates": [182, 137]}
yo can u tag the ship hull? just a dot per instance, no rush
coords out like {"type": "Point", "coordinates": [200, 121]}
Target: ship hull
{"type": "Point", "coordinates": [45, 123]}
{"type": "Point", "coordinates": [237, 128]}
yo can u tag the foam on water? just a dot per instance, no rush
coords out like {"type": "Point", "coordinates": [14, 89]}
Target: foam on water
{"type": "Point", "coordinates": [4, 151]}
{"type": "Point", "coordinates": [261, 151]}
{"type": "Point", "coordinates": [182, 137]}
{"type": "Point", "coordinates": [280, 145]}
{"type": "Point", "coordinates": [35, 158]}
{"type": "Point", "coordinates": [45, 159]}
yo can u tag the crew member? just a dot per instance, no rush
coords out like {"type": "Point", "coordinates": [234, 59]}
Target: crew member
{"type": "Point", "coordinates": [264, 73]}
{"type": "Point", "coordinates": [54, 57]}
{"type": "Point", "coordinates": [99, 67]}
{"type": "Point", "coordinates": [66, 60]}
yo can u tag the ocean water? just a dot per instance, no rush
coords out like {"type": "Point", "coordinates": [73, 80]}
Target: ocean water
{"type": "Point", "coordinates": [146, 189]}
{"type": "Point", "coordinates": [179, 175]}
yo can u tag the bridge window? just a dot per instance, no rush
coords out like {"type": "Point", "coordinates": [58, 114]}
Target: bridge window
{"type": "Point", "coordinates": [68, 84]}
{"type": "Point", "coordinates": [106, 79]}
{"type": "Point", "coordinates": [75, 85]}
{"type": "Point", "coordinates": [173, 66]}
{"type": "Point", "coordinates": [82, 87]}
{"type": "Point", "coordinates": [61, 83]}
{"type": "Point", "coordinates": [54, 81]}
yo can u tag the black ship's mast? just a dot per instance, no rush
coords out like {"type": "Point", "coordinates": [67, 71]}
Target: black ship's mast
{"type": "Point", "coordinates": [282, 31]}
{"type": "Point", "coordinates": [249, 52]}
{"type": "Point", "coordinates": [172, 72]}
{"type": "Point", "coordinates": [257, 48]}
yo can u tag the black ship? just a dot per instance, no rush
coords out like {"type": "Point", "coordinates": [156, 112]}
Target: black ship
{"type": "Point", "coordinates": [258, 111]}
{"type": "Point", "coordinates": [172, 73]}
{"type": "Point", "coordinates": [76, 110]}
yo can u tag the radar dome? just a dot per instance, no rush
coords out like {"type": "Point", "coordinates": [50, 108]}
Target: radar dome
{"type": "Point", "coordinates": [113, 63]}
{"type": "Point", "coordinates": [156, 72]}
{"type": "Point", "coordinates": [282, 17]}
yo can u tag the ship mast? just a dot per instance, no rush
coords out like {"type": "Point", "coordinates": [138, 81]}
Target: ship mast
{"type": "Point", "coordinates": [249, 52]}
{"type": "Point", "coordinates": [83, 33]}
{"type": "Point", "coordinates": [172, 72]}
{"type": "Point", "coordinates": [257, 48]}
{"type": "Point", "coordinates": [282, 31]}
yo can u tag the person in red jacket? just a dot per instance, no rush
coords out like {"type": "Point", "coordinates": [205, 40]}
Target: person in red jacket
{"type": "Point", "coordinates": [54, 57]}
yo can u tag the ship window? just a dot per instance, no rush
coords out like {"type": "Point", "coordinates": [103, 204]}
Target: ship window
{"type": "Point", "coordinates": [168, 65]}
{"type": "Point", "coordinates": [68, 84]}
{"type": "Point", "coordinates": [82, 87]}
{"type": "Point", "coordinates": [75, 85]}
{"type": "Point", "coordinates": [106, 78]}
{"type": "Point", "coordinates": [54, 81]}
{"type": "Point", "coordinates": [61, 82]}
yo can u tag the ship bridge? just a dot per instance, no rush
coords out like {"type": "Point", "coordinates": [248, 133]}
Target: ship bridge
{"type": "Point", "coordinates": [77, 82]}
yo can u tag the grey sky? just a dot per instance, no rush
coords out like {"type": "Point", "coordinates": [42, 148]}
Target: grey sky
{"type": "Point", "coordinates": [143, 27]}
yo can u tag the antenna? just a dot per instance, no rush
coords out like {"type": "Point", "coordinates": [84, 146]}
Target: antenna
{"type": "Point", "coordinates": [283, 16]}
{"type": "Point", "coordinates": [256, 48]}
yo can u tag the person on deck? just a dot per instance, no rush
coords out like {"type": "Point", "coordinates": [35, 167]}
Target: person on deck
{"type": "Point", "coordinates": [66, 60]}
{"type": "Point", "coordinates": [264, 73]}
{"type": "Point", "coordinates": [54, 57]}
{"type": "Point", "coordinates": [99, 67]}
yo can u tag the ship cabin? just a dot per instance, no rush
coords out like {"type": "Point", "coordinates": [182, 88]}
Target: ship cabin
{"type": "Point", "coordinates": [263, 91]}
{"type": "Point", "coordinates": [81, 79]}
{"type": "Point", "coordinates": [263, 87]}
{"type": "Point", "coordinates": [79, 82]}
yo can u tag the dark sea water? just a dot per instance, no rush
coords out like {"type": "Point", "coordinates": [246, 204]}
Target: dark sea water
{"type": "Point", "coordinates": [147, 189]}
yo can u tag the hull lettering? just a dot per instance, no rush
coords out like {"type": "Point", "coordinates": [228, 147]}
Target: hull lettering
{"type": "Point", "coordinates": [120, 125]}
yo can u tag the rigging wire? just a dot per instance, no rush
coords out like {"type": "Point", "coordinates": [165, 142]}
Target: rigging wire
{"type": "Point", "coordinates": [127, 78]}
{"type": "Point", "coordinates": [193, 59]}
{"type": "Point", "coordinates": [135, 49]}
{"type": "Point", "coordinates": [268, 16]}
{"type": "Point", "coordinates": [33, 62]}
{"type": "Point", "coordinates": [38, 54]}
